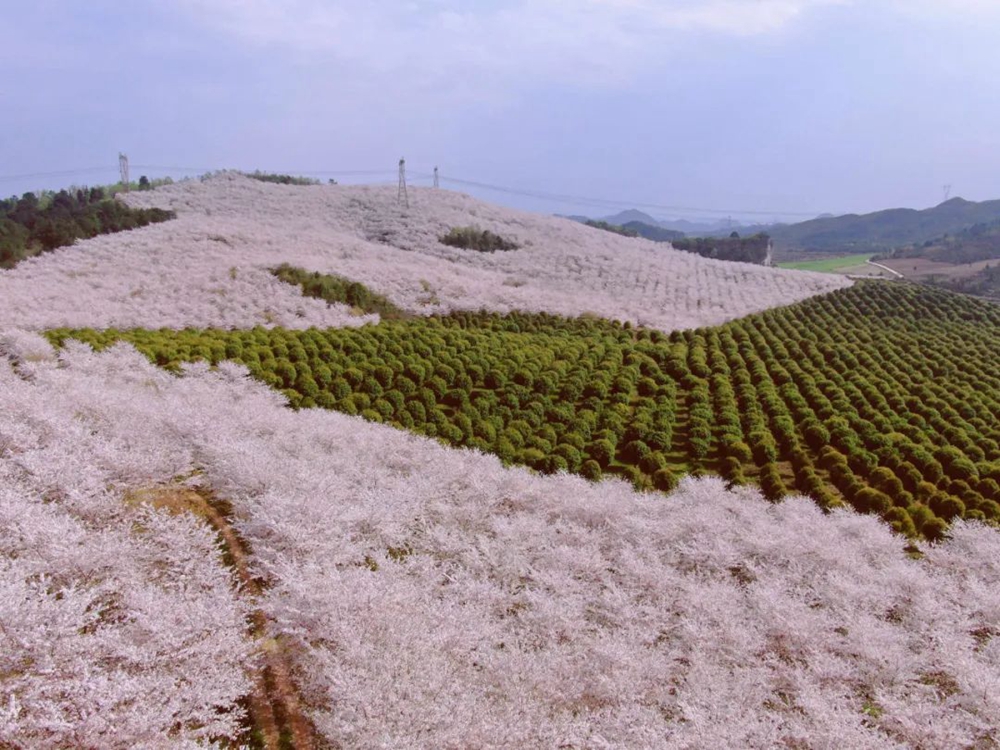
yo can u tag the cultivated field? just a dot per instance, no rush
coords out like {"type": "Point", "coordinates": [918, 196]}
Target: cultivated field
{"type": "Point", "coordinates": [205, 267]}
{"type": "Point", "coordinates": [921, 269]}
{"type": "Point", "coordinates": [429, 597]}
{"type": "Point", "coordinates": [841, 397]}
{"type": "Point", "coordinates": [846, 265]}
{"type": "Point", "coordinates": [185, 561]}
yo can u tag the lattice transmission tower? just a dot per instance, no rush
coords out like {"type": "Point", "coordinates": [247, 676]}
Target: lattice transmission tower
{"type": "Point", "coordinates": [402, 197]}
{"type": "Point", "coordinates": [123, 170]}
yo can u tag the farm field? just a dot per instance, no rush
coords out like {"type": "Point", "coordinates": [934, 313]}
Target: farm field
{"type": "Point", "coordinates": [922, 269]}
{"type": "Point", "coordinates": [829, 265]}
{"type": "Point", "coordinates": [427, 596]}
{"type": "Point", "coordinates": [208, 266]}
{"type": "Point", "coordinates": [393, 493]}
{"type": "Point", "coordinates": [843, 397]}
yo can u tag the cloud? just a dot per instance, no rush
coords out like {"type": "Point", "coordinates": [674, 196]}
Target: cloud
{"type": "Point", "coordinates": [569, 40]}
{"type": "Point", "coordinates": [434, 43]}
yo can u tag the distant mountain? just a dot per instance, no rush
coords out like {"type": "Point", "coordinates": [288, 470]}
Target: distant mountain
{"type": "Point", "coordinates": [687, 228]}
{"type": "Point", "coordinates": [655, 233]}
{"type": "Point", "coordinates": [883, 231]}
{"type": "Point", "coordinates": [971, 245]}
{"type": "Point", "coordinates": [716, 228]}
{"type": "Point", "coordinates": [878, 232]}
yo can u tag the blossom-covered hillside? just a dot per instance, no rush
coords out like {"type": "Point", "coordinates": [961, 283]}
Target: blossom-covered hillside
{"type": "Point", "coordinates": [187, 562]}
{"type": "Point", "coordinates": [428, 597]}
{"type": "Point", "coordinates": [207, 267]}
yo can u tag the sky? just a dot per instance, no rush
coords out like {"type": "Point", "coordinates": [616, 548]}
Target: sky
{"type": "Point", "coordinates": [758, 109]}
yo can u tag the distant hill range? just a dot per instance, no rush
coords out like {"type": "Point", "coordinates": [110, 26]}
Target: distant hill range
{"type": "Point", "coordinates": [652, 232]}
{"type": "Point", "coordinates": [878, 232]}
{"type": "Point", "coordinates": [883, 231]}
{"type": "Point", "coordinates": [682, 227]}
{"type": "Point", "coordinates": [754, 249]}
{"type": "Point", "coordinates": [976, 243]}
{"type": "Point", "coordinates": [962, 262]}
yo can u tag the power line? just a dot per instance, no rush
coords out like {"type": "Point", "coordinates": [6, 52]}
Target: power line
{"type": "Point", "coordinates": [607, 202]}
{"type": "Point", "coordinates": [63, 173]}
{"type": "Point", "coordinates": [436, 178]}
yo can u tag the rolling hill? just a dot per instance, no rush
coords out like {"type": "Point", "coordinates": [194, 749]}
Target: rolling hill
{"type": "Point", "coordinates": [882, 231]}
{"type": "Point", "coordinates": [289, 471]}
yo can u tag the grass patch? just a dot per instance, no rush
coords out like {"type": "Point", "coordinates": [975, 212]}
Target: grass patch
{"type": "Point", "coordinates": [828, 265]}
{"type": "Point", "coordinates": [337, 290]}
{"type": "Point", "coordinates": [480, 240]}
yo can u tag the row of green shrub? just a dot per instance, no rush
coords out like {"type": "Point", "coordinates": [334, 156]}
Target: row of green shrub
{"type": "Point", "coordinates": [336, 289]}
{"type": "Point", "coordinates": [29, 226]}
{"type": "Point", "coordinates": [473, 238]}
{"type": "Point", "coordinates": [884, 397]}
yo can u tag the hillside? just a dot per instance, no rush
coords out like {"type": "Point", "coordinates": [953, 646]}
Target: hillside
{"type": "Point", "coordinates": [209, 264]}
{"type": "Point", "coordinates": [967, 262]}
{"type": "Point", "coordinates": [654, 233]}
{"type": "Point", "coordinates": [685, 227]}
{"type": "Point", "coordinates": [427, 596]}
{"type": "Point", "coordinates": [882, 231]}
{"type": "Point", "coordinates": [30, 226]}
{"type": "Point", "coordinates": [971, 245]}
{"type": "Point", "coordinates": [290, 471]}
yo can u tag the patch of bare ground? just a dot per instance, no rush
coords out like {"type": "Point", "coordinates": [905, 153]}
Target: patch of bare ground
{"type": "Point", "coordinates": [921, 269]}
{"type": "Point", "coordinates": [277, 719]}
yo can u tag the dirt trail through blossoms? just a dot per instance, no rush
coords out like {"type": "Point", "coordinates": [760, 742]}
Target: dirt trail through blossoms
{"type": "Point", "coordinates": [275, 709]}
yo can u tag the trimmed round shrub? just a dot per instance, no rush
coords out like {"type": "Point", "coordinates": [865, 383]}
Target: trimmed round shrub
{"type": "Point", "coordinates": [920, 514]}
{"type": "Point", "coordinates": [636, 478]}
{"type": "Point", "coordinates": [554, 464]}
{"type": "Point", "coordinates": [946, 506]}
{"type": "Point", "coordinates": [990, 510]}
{"type": "Point", "coordinates": [732, 470]}
{"type": "Point", "coordinates": [505, 450]}
{"type": "Point", "coordinates": [602, 451]}
{"type": "Point", "coordinates": [570, 455]}
{"type": "Point", "coordinates": [934, 529]}
{"type": "Point", "coordinates": [532, 457]}
{"type": "Point", "coordinates": [635, 451]}
{"type": "Point", "coordinates": [771, 483]}
{"type": "Point", "coordinates": [665, 480]}
{"type": "Point", "coordinates": [901, 522]}
{"type": "Point", "coordinates": [740, 451]}
{"type": "Point", "coordinates": [347, 406]}
{"type": "Point", "coordinates": [763, 448]}
{"type": "Point", "coordinates": [591, 470]}
{"type": "Point", "coordinates": [870, 500]}
{"type": "Point", "coordinates": [653, 462]}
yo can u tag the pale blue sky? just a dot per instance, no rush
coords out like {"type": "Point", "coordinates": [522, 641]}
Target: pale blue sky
{"type": "Point", "coordinates": [792, 106]}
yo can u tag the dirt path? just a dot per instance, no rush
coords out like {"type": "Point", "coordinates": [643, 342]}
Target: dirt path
{"type": "Point", "coordinates": [275, 709]}
{"type": "Point", "coordinates": [895, 273]}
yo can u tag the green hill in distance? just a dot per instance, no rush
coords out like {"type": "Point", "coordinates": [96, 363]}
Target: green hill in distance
{"type": "Point", "coordinates": [882, 231]}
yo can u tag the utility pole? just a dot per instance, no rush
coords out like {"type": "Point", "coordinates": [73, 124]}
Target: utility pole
{"type": "Point", "coordinates": [436, 183]}
{"type": "Point", "coordinates": [123, 170]}
{"type": "Point", "coordinates": [947, 192]}
{"type": "Point", "coordinates": [402, 196]}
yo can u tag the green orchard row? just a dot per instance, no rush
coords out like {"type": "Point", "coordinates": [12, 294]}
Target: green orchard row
{"type": "Point", "coordinates": [883, 396]}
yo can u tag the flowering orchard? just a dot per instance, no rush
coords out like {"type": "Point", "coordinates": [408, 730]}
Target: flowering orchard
{"type": "Point", "coordinates": [849, 397]}
{"type": "Point", "coordinates": [119, 624]}
{"type": "Point", "coordinates": [187, 562]}
{"type": "Point", "coordinates": [205, 268]}
{"type": "Point", "coordinates": [432, 598]}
